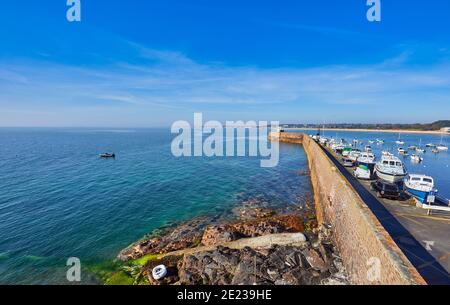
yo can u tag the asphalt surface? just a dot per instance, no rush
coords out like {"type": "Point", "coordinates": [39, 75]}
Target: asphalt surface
{"type": "Point", "coordinates": [405, 228]}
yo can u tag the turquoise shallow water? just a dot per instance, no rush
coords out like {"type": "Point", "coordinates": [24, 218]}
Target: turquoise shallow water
{"type": "Point", "coordinates": [435, 165]}
{"type": "Point", "coordinates": [59, 200]}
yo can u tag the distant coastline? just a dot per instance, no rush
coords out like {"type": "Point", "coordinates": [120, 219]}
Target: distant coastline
{"type": "Point", "coordinates": [432, 132]}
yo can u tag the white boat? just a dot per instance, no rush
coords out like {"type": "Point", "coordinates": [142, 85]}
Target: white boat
{"type": "Point", "coordinates": [371, 142]}
{"type": "Point", "coordinates": [399, 142]}
{"type": "Point", "coordinates": [430, 145]}
{"type": "Point", "coordinates": [417, 159]}
{"type": "Point", "coordinates": [368, 148]}
{"type": "Point", "coordinates": [390, 169]}
{"type": "Point", "coordinates": [323, 140]}
{"type": "Point", "coordinates": [354, 155]}
{"type": "Point", "coordinates": [441, 146]}
{"type": "Point", "coordinates": [365, 166]}
{"type": "Point", "coordinates": [420, 150]}
{"type": "Point", "coordinates": [348, 162]}
{"type": "Point", "coordinates": [366, 157]}
{"type": "Point", "coordinates": [380, 142]}
{"type": "Point", "coordinates": [402, 151]}
{"type": "Point", "coordinates": [412, 147]}
{"type": "Point", "coordinates": [420, 186]}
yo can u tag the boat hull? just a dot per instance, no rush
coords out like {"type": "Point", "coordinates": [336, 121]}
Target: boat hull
{"type": "Point", "coordinates": [421, 196]}
{"type": "Point", "coordinates": [389, 177]}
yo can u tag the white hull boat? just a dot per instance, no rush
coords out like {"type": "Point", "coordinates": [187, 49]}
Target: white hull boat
{"type": "Point", "coordinates": [390, 169]}
{"type": "Point", "coordinates": [420, 187]}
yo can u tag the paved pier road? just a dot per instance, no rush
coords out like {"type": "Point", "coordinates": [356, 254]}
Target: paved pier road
{"type": "Point", "coordinates": [425, 240]}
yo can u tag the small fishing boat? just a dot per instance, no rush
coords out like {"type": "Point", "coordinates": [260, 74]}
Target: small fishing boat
{"type": "Point", "coordinates": [107, 155]}
{"type": "Point", "coordinates": [390, 169]}
{"type": "Point", "coordinates": [348, 162]}
{"type": "Point", "coordinates": [366, 157]}
{"type": "Point", "coordinates": [430, 145]}
{"type": "Point", "coordinates": [380, 142]}
{"type": "Point", "coordinates": [435, 151]}
{"type": "Point", "coordinates": [368, 148]}
{"type": "Point", "coordinates": [371, 142]}
{"type": "Point", "coordinates": [412, 147]}
{"type": "Point", "coordinates": [420, 186]}
{"type": "Point", "coordinates": [354, 155]}
{"type": "Point", "coordinates": [386, 153]}
{"type": "Point", "coordinates": [420, 150]}
{"type": "Point", "coordinates": [346, 151]}
{"type": "Point", "coordinates": [399, 141]}
{"type": "Point", "coordinates": [365, 166]}
{"type": "Point", "coordinates": [415, 158]}
{"type": "Point", "coordinates": [402, 151]}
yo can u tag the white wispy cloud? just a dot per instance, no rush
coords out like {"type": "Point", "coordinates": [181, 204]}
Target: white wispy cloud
{"type": "Point", "coordinates": [167, 80]}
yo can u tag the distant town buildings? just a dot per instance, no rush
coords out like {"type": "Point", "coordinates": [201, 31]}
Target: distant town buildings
{"type": "Point", "coordinates": [446, 129]}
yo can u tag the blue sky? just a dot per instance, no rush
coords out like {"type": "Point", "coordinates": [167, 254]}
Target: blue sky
{"type": "Point", "coordinates": [142, 63]}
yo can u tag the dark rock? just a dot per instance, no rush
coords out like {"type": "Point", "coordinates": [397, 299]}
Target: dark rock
{"type": "Point", "coordinates": [314, 260]}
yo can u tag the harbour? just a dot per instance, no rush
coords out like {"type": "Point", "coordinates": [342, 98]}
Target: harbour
{"type": "Point", "coordinates": [420, 237]}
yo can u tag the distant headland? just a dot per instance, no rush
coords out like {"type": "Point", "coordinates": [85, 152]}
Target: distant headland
{"type": "Point", "coordinates": [437, 127]}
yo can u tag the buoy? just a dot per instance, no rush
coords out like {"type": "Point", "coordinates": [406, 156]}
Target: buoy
{"type": "Point", "coordinates": [159, 272]}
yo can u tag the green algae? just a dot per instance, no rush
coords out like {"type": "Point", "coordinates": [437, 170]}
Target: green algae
{"type": "Point", "coordinates": [144, 260]}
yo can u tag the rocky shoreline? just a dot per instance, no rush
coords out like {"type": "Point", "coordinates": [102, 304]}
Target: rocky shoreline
{"type": "Point", "coordinates": [196, 253]}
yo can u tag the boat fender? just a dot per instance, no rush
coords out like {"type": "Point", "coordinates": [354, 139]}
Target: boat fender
{"type": "Point", "coordinates": [159, 272]}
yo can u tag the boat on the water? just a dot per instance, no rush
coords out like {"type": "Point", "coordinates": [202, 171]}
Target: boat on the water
{"type": "Point", "coordinates": [420, 186]}
{"type": "Point", "coordinates": [108, 155]}
{"type": "Point", "coordinates": [390, 169]}
{"type": "Point", "coordinates": [402, 151]}
{"type": "Point", "coordinates": [399, 141]}
{"type": "Point", "coordinates": [420, 150]}
{"type": "Point", "coordinates": [441, 146]}
{"type": "Point", "coordinates": [430, 145]}
{"type": "Point", "coordinates": [416, 158]}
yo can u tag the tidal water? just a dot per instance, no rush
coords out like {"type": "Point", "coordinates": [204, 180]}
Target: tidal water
{"type": "Point", "coordinates": [58, 199]}
{"type": "Point", "coordinates": [434, 165]}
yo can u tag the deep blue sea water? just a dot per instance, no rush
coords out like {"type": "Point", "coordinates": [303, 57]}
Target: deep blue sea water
{"type": "Point", "coordinates": [435, 165]}
{"type": "Point", "coordinates": [59, 200]}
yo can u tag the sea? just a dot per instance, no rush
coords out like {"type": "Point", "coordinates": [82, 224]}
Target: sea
{"type": "Point", "coordinates": [59, 200]}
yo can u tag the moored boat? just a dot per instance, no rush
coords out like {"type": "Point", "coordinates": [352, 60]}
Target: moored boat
{"type": "Point", "coordinates": [108, 155]}
{"type": "Point", "coordinates": [416, 158]}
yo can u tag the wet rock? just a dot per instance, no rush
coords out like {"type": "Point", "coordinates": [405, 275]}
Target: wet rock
{"type": "Point", "coordinates": [182, 236]}
{"type": "Point", "coordinates": [218, 234]}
